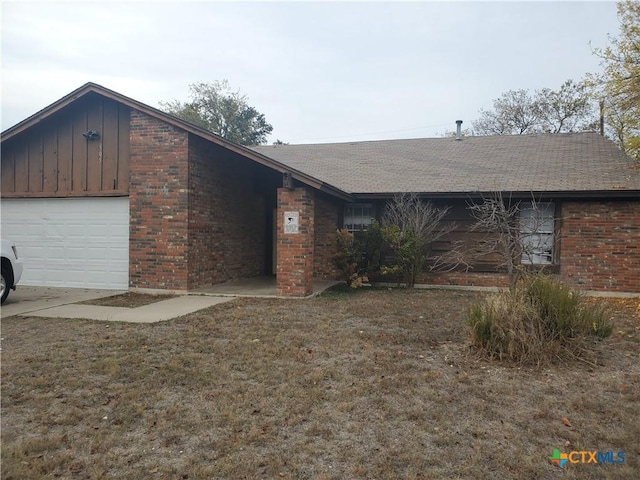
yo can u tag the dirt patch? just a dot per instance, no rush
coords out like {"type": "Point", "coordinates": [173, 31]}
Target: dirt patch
{"type": "Point", "coordinates": [128, 299]}
{"type": "Point", "coordinates": [377, 384]}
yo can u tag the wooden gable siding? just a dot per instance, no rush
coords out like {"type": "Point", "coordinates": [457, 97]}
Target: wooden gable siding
{"type": "Point", "coordinates": [54, 159]}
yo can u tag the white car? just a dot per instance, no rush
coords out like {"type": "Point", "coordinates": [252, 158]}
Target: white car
{"type": "Point", "coordinates": [11, 268]}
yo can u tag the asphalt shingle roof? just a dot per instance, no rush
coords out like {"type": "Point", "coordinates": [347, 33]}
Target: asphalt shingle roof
{"type": "Point", "coordinates": [519, 163]}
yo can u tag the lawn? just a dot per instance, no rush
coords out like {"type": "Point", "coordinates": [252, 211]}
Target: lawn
{"type": "Point", "coordinates": [378, 384]}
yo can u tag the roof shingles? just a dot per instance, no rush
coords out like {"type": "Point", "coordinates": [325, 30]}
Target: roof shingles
{"type": "Point", "coordinates": [521, 163]}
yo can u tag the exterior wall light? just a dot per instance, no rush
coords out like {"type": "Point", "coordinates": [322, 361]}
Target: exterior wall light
{"type": "Point", "coordinates": [91, 135]}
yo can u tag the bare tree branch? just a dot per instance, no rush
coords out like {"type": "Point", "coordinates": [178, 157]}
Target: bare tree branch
{"type": "Point", "coordinates": [410, 226]}
{"type": "Point", "coordinates": [510, 236]}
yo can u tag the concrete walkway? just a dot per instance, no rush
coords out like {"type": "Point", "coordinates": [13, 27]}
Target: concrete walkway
{"type": "Point", "coordinates": [257, 287]}
{"type": "Point", "coordinates": [154, 312]}
{"type": "Point", "coordinates": [51, 302]}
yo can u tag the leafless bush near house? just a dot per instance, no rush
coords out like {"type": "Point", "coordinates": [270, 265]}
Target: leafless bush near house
{"type": "Point", "coordinates": [513, 239]}
{"type": "Point", "coordinates": [409, 226]}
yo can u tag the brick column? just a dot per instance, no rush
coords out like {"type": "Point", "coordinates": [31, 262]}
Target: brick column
{"type": "Point", "coordinates": [294, 244]}
{"type": "Point", "coordinates": [158, 205]}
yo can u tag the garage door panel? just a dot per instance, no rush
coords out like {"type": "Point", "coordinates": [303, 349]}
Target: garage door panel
{"type": "Point", "coordinates": [70, 242]}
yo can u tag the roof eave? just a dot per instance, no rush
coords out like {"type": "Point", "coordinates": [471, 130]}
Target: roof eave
{"type": "Point", "coordinates": [177, 122]}
{"type": "Point", "coordinates": [575, 194]}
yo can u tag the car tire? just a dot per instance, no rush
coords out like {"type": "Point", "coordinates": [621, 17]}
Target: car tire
{"type": "Point", "coordinates": [4, 286]}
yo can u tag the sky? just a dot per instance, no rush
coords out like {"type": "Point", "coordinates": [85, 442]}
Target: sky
{"type": "Point", "coordinates": [320, 72]}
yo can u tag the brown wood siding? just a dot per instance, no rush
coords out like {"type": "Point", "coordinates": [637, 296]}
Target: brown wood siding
{"type": "Point", "coordinates": [21, 169]}
{"type": "Point", "coordinates": [34, 153]}
{"type": "Point", "coordinates": [65, 156]}
{"type": "Point", "coordinates": [50, 161]}
{"type": "Point", "coordinates": [95, 120]}
{"type": "Point", "coordinates": [109, 159]}
{"type": "Point", "coordinates": [463, 237]}
{"type": "Point", "coordinates": [79, 152]}
{"type": "Point", "coordinates": [54, 159]}
{"type": "Point", "coordinates": [8, 165]}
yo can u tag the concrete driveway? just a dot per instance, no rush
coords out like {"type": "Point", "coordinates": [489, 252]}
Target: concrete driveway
{"type": "Point", "coordinates": [32, 299]}
{"type": "Point", "coordinates": [50, 302]}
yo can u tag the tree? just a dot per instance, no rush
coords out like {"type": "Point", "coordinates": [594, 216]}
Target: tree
{"type": "Point", "coordinates": [409, 225]}
{"type": "Point", "coordinates": [619, 84]}
{"type": "Point", "coordinates": [215, 107]}
{"type": "Point", "coordinates": [519, 112]}
{"type": "Point", "coordinates": [499, 219]}
{"type": "Point", "coordinates": [568, 109]}
{"type": "Point", "coordinates": [512, 114]}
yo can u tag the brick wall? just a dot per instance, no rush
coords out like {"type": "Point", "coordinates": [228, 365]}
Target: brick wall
{"type": "Point", "coordinates": [158, 202]}
{"type": "Point", "coordinates": [469, 279]}
{"type": "Point", "coordinates": [295, 266]}
{"type": "Point", "coordinates": [228, 215]}
{"type": "Point", "coordinates": [600, 245]}
{"type": "Point", "coordinates": [198, 212]}
{"type": "Point", "coordinates": [328, 213]}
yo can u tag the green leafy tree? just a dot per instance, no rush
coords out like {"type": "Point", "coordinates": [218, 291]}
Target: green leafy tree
{"type": "Point", "coordinates": [215, 107]}
{"type": "Point", "coordinates": [619, 83]}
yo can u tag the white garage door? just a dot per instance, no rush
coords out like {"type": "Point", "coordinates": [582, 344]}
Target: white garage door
{"type": "Point", "coordinates": [70, 242]}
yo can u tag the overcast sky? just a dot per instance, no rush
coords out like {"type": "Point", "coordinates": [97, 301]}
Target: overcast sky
{"type": "Point", "coordinates": [320, 72]}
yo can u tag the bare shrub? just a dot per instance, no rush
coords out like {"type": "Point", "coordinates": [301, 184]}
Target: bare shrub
{"type": "Point", "coordinates": [500, 219]}
{"type": "Point", "coordinates": [537, 321]}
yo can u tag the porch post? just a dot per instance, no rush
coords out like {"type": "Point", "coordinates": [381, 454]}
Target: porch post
{"type": "Point", "coordinates": [295, 242]}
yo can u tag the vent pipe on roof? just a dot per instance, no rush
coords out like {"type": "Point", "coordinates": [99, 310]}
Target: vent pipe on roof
{"type": "Point", "coordinates": [458, 129]}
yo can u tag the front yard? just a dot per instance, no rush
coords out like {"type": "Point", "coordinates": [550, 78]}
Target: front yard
{"type": "Point", "coordinates": [379, 384]}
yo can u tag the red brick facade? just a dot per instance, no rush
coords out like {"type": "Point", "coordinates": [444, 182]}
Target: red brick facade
{"type": "Point", "coordinates": [598, 248]}
{"type": "Point", "coordinates": [600, 245]}
{"type": "Point", "coordinates": [468, 279]}
{"type": "Point", "coordinates": [294, 275]}
{"type": "Point", "coordinates": [199, 214]}
{"type": "Point", "coordinates": [228, 215]}
{"type": "Point", "coordinates": [158, 204]}
{"type": "Point", "coordinates": [328, 214]}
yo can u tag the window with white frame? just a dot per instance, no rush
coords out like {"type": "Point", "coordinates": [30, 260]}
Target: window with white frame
{"type": "Point", "coordinates": [357, 217]}
{"type": "Point", "coordinates": [537, 232]}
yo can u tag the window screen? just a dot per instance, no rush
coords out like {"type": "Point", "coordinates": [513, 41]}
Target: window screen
{"type": "Point", "coordinates": [537, 233]}
{"type": "Point", "coordinates": [357, 217]}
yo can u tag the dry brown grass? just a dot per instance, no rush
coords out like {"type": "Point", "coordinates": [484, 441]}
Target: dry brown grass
{"type": "Point", "coordinates": [128, 300]}
{"type": "Point", "coordinates": [378, 384]}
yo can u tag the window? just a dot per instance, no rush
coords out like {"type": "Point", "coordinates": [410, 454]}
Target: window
{"type": "Point", "coordinates": [536, 233]}
{"type": "Point", "coordinates": [357, 217]}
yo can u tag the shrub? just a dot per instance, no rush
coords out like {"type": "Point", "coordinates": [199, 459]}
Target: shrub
{"type": "Point", "coordinates": [358, 255]}
{"type": "Point", "coordinates": [537, 321]}
{"type": "Point", "coordinates": [409, 225]}
{"type": "Point", "coordinates": [408, 253]}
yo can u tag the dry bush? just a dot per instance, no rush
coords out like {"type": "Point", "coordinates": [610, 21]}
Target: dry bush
{"type": "Point", "coordinates": [537, 321]}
